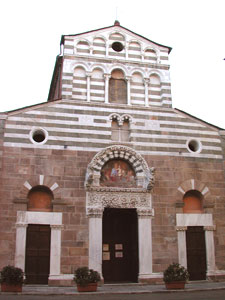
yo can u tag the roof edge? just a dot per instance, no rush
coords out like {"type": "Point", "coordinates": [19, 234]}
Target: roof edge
{"type": "Point", "coordinates": [116, 24]}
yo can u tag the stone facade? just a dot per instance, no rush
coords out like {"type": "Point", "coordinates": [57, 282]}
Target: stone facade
{"type": "Point", "coordinates": [64, 144]}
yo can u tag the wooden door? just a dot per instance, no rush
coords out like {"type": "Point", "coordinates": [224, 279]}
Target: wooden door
{"type": "Point", "coordinates": [196, 252]}
{"type": "Point", "coordinates": [37, 254]}
{"type": "Point", "coordinates": [120, 245]}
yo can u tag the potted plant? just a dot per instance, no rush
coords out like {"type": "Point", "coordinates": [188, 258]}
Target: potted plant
{"type": "Point", "coordinates": [175, 276]}
{"type": "Point", "coordinates": [11, 279]}
{"type": "Point", "coordinates": [86, 279]}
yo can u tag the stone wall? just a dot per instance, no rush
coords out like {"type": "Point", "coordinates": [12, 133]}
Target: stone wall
{"type": "Point", "coordinates": [64, 171]}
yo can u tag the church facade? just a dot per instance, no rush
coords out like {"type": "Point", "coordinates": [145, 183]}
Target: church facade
{"type": "Point", "coordinates": [107, 174]}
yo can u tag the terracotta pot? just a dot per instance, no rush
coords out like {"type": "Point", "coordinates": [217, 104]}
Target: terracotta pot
{"type": "Point", "coordinates": [5, 287]}
{"type": "Point", "coordinates": [175, 285]}
{"type": "Point", "coordinates": [90, 287]}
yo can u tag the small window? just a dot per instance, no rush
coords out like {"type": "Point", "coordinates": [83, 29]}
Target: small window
{"type": "Point", "coordinates": [194, 146]}
{"type": "Point", "coordinates": [120, 132]}
{"type": "Point", "coordinates": [38, 136]}
{"type": "Point", "coordinates": [117, 46]}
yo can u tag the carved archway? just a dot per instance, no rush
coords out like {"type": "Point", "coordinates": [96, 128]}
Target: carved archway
{"type": "Point", "coordinates": [99, 197]}
{"type": "Point", "coordinates": [144, 174]}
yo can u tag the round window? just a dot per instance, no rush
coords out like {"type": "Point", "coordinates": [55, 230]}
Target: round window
{"type": "Point", "coordinates": [38, 136]}
{"type": "Point", "coordinates": [194, 146]}
{"type": "Point", "coordinates": [117, 46]}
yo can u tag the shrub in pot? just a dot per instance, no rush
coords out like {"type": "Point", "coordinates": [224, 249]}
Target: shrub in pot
{"type": "Point", "coordinates": [86, 279]}
{"type": "Point", "coordinates": [11, 279]}
{"type": "Point", "coordinates": [175, 276]}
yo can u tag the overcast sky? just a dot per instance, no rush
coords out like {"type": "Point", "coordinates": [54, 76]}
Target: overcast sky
{"type": "Point", "coordinates": [195, 29]}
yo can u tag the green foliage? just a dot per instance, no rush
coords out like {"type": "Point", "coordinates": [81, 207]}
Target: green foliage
{"type": "Point", "coordinates": [84, 275]}
{"type": "Point", "coordinates": [11, 275]}
{"type": "Point", "coordinates": [175, 272]}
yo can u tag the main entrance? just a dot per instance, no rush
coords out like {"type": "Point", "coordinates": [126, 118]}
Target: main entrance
{"type": "Point", "coordinates": [37, 260]}
{"type": "Point", "coordinates": [120, 245]}
{"type": "Point", "coordinates": [196, 252]}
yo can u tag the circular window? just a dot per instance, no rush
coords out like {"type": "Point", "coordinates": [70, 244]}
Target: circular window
{"type": "Point", "coordinates": [117, 46]}
{"type": "Point", "coordinates": [38, 136]}
{"type": "Point", "coordinates": [194, 146]}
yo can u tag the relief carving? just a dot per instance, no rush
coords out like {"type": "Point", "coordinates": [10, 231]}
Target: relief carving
{"type": "Point", "coordinates": [144, 176]}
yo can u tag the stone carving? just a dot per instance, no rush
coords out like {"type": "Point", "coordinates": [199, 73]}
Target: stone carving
{"type": "Point", "coordinates": [144, 175]}
{"type": "Point", "coordinates": [118, 200]}
{"type": "Point", "coordinates": [181, 228]}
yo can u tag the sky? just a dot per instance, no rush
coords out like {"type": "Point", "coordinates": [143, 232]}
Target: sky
{"type": "Point", "coordinates": [195, 29]}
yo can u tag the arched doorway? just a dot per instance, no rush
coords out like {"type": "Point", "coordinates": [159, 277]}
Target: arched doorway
{"type": "Point", "coordinates": [37, 255]}
{"type": "Point", "coordinates": [119, 206]}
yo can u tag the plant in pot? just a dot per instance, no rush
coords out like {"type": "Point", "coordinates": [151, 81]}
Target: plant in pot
{"type": "Point", "coordinates": [11, 279]}
{"type": "Point", "coordinates": [86, 279]}
{"type": "Point", "coordinates": [175, 276]}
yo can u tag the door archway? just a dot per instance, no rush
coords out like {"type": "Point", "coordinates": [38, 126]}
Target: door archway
{"type": "Point", "coordinates": [137, 196]}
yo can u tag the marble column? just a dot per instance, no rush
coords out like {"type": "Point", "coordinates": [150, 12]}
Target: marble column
{"type": "Point", "coordinates": [128, 79]}
{"type": "Point", "coordinates": [55, 251]}
{"type": "Point", "coordinates": [182, 249]}
{"type": "Point", "coordinates": [210, 249]}
{"type": "Point", "coordinates": [145, 242]}
{"type": "Point", "coordinates": [95, 238]}
{"type": "Point", "coordinates": [88, 87]}
{"type": "Point", "coordinates": [146, 82]}
{"type": "Point", "coordinates": [107, 77]}
{"type": "Point", "coordinates": [21, 233]}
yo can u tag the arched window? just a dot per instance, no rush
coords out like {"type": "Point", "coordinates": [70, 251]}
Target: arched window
{"type": "Point", "coordinates": [193, 202]}
{"type": "Point", "coordinates": [137, 89]}
{"type": "Point", "coordinates": [117, 87]}
{"type": "Point", "coordinates": [134, 51]}
{"type": "Point", "coordinates": [83, 47]}
{"type": "Point", "coordinates": [97, 86]}
{"type": "Point", "coordinates": [150, 55]}
{"type": "Point", "coordinates": [79, 84]}
{"type": "Point", "coordinates": [120, 130]}
{"type": "Point", "coordinates": [99, 47]}
{"type": "Point", "coordinates": [40, 199]}
{"type": "Point", "coordinates": [154, 91]}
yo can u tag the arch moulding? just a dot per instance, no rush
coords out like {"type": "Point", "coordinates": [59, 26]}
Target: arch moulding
{"type": "Point", "coordinates": [99, 197]}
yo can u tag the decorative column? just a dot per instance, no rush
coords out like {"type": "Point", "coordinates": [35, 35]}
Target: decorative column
{"type": "Point", "coordinates": [128, 79]}
{"type": "Point", "coordinates": [145, 242]}
{"type": "Point", "coordinates": [107, 77]}
{"type": "Point", "coordinates": [21, 232]}
{"type": "Point", "coordinates": [88, 87]}
{"type": "Point", "coordinates": [55, 251]}
{"type": "Point", "coordinates": [182, 249]}
{"type": "Point", "coordinates": [146, 82]}
{"type": "Point", "coordinates": [210, 249]}
{"type": "Point", "coordinates": [95, 238]}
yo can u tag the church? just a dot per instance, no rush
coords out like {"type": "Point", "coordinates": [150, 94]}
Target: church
{"type": "Point", "coordinates": [107, 174]}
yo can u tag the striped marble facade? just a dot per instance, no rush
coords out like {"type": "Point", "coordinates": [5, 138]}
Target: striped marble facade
{"type": "Point", "coordinates": [84, 119]}
{"type": "Point", "coordinates": [89, 60]}
{"type": "Point", "coordinates": [79, 126]}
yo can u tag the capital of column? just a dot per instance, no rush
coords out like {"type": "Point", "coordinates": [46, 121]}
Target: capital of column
{"type": "Point", "coordinates": [210, 228]}
{"type": "Point", "coordinates": [146, 81]}
{"type": "Point", "coordinates": [145, 213]}
{"type": "Point", "coordinates": [19, 225]}
{"type": "Point", "coordinates": [88, 74]}
{"type": "Point", "coordinates": [93, 212]}
{"type": "Point", "coordinates": [181, 228]}
{"type": "Point", "coordinates": [57, 227]}
{"type": "Point", "coordinates": [128, 78]}
{"type": "Point", "coordinates": [107, 76]}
